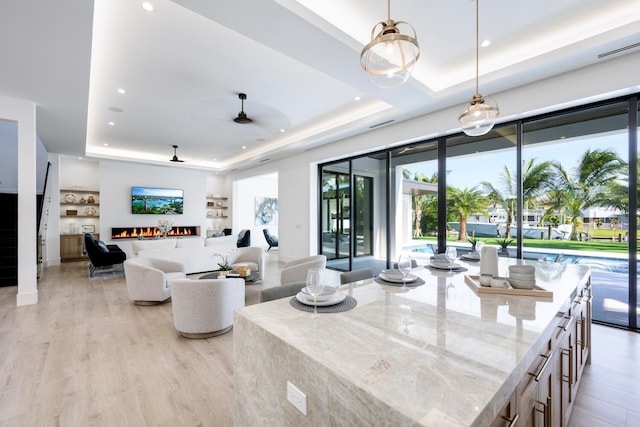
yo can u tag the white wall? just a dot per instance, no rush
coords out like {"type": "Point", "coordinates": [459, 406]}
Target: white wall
{"type": "Point", "coordinates": [297, 186]}
{"type": "Point", "coordinates": [245, 192]}
{"type": "Point", "coordinates": [114, 180]}
{"type": "Point", "coordinates": [9, 159]}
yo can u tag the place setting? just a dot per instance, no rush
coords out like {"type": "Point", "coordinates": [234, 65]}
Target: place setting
{"type": "Point", "coordinates": [401, 276]}
{"type": "Point", "coordinates": [446, 262]}
{"type": "Point", "coordinates": [316, 297]}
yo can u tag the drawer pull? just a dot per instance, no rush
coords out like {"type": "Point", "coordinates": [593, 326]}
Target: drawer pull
{"type": "Point", "coordinates": [512, 422]}
{"type": "Point", "coordinates": [545, 411]}
{"type": "Point", "coordinates": [544, 366]}
{"type": "Point", "coordinates": [566, 326]}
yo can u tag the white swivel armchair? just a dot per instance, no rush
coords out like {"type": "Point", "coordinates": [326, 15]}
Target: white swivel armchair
{"type": "Point", "coordinates": [204, 308]}
{"type": "Point", "coordinates": [296, 271]}
{"type": "Point", "coordinates": [148, 279]}
{"type": "Point", "coordinates": [251, 256]}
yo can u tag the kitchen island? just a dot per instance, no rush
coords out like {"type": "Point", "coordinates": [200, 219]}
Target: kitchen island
{"type": "Point", "coordinates": [434, 355]}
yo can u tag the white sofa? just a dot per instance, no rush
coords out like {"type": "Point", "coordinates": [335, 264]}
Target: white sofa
{"type": "Point", "coordinates": [197, 254]}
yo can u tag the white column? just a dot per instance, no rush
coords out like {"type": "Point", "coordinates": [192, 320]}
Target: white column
{"type": "Point", "coordinates": [24, 113]}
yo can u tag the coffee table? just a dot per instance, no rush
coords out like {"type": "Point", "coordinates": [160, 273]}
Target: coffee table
{"type": "Point", "coordinates": [253, 277]}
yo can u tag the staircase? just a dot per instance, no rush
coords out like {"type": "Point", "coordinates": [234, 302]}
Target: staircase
{"type": "Point", "coordinates": [9, 240]}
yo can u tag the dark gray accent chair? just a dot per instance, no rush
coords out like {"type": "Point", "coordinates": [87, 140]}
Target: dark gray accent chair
{"type": "Point", "coordinates": [270, 238]}
{"type": "Point", "coordinates": [244, 238]}
{"type": "Point", "coordinates": [356, 275]}
{"type": "Point", "coordinates": [102, 255]}
{"type": "Point", "coordinates": [282, 291]}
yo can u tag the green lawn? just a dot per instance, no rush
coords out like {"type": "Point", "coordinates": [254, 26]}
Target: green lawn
{"type": "Point", "coordinates": [595, 246]}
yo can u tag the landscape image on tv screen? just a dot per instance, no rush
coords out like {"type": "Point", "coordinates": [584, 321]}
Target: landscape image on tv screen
{"type": "Point", "coordinates": [156, 201]}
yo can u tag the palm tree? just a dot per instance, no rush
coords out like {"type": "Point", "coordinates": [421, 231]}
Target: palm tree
{"type": "Point", "coordinates": [464, 203]}
{"type": "Point", "coordinates": [588, 184]}
{"type": "Point", "coordinates": [421, 203]}
{"type": "Point", "coordinates": [536, 179]}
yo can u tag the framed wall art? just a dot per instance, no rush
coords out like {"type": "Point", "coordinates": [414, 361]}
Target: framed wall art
{"type": "Point", "coordinates": [266, 211]}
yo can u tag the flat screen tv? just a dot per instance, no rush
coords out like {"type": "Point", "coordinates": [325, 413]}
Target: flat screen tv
{"type": "Point", "coordinates": [156, 201]}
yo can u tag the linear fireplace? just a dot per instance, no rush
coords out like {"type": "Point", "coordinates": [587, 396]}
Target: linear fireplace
{"type": "Point", "coordinates": [119, 233]}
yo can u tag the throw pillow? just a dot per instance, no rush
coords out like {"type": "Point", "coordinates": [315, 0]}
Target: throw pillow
{"type": "Point", "coordinates": [102, 246]}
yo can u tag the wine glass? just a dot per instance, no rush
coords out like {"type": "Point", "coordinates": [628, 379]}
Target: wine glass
{"type": "Point", "coordinates": [315, 286]}
{"type": "Point", "coordinates": [451, 255]}
{"type": "Point", "coordinates": [404, 265]}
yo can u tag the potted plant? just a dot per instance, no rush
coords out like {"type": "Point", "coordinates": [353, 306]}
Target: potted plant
{"type": "Point", "coordinates": [223, 266]}
{"type": "Point", "coordinates": [503, 244]}
{"type": "Point", "coordinates": [473, 242]}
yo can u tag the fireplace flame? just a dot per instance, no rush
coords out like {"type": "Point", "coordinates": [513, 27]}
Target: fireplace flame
{"type": "Point", "coordinates": [152, 232]}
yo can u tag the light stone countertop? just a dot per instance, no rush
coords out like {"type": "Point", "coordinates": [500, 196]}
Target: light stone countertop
{"type": "Point", "coordinates": [437, 354]}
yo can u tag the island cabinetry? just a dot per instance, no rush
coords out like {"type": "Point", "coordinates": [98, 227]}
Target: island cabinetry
{"type": "Point", "coordinates": [545, 395]}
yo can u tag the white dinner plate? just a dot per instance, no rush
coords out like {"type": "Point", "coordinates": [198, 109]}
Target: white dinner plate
{"type": "Point", "coordinates": [327, 292]}
{"type": "Point", "coordinates": [471, 257]}
{"type": "Point", "coordinates": [333, 299]}
{"type": "Point", "coordinates": [454, 266]}
{"type": "Point", "coordinates": [393, 279]}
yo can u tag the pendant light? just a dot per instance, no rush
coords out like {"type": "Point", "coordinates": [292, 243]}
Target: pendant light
{"type": "Point", "coordinates": [390, 56]}
{"type": "Point", "coordinates": [478, 117]}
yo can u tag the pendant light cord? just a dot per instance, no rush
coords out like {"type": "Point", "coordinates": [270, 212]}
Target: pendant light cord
{"type": "Point", "coordinates": [477, 48]}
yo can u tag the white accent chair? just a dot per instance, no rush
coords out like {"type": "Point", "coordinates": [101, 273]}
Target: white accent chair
{"type": "Point", "coordinates": [148, 279]}
{"type": "Point", "coordinates": [204, 308]}
{"type": "Point", "coordinates": [251, 256]}
{"type": "Point", "coordinates": [296, 271]}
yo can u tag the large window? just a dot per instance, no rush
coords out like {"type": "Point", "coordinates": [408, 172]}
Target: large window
{"type": "Point", "coordinates": [555, 188]}
{"type": "Point", "coordinates": [579, 162]}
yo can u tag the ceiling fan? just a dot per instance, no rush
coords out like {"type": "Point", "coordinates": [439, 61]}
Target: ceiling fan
{"type": "Point", "coordinates": [242, 116]}
{"type": "Point", "coordinates": [175, 155]}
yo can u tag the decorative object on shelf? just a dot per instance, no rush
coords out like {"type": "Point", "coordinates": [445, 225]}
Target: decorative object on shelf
{"type": "Point", "coordinates": [390, 56]}
{"type": "Point", "coordinates": [209, 213]}
{"type": "Point", "coordinates": [219, 203]}
{"type": "Point", "coordinates": [90, 211]}
{"type": "Point", "coordinates": [72, 212]}
{"type": "Point", "coordinates": [90, 199]}
{"type": "Point", "coordinates": [164, 225]}
{"type": "Point", "coordinates": [70, 198]}
{"type": "Point", "coordinates": [266, 211]}
{"type": "Point", "coordinates": [209, 204]}
{"type": "Point", "coordinates": [83, 200]}
{"type": "Point", "coordinates": [88, 228]}
{"type": "Point", "coordinates": [478, 116]}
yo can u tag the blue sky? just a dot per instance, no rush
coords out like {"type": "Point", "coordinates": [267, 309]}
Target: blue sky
{"type": "Point", "coordinates": [470, 170]}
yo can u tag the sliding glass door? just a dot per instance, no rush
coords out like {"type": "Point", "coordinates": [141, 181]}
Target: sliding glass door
{"type": "Point", "coordinates": [560, 187]}
{"type": "Point", "coordinates": [352, 198]}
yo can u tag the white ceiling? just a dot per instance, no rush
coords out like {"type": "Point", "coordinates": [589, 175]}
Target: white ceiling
{"type": "Point", "coordinates": [184, 64]}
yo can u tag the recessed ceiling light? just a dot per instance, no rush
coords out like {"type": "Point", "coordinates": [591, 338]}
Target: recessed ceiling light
{"type": "Point", "coordinates": [215, 160]}
{"type": "Point", "coordinates": [105, 144]}
{"type": "Point", "coordinates": [281, 130]}
{"type": "Point", "coordinates": [79, 158]}
{"type": "Point", "coordinates": [356, 98]}
{"type": "Point", "coordinates": [116, 109]}
{"type": "Point", "coordinates": [244, 147]}
{"type": "Point", "coordinates": [112, 123]}
{"type": "Point", "coordinates": [122, 91]}
{"type": "Point", "coordinates": [146, 5]}
{"type": "Point", "coordinates": [485, 43]}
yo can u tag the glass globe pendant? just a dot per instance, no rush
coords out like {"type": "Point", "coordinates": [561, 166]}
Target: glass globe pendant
{"type": "Point", "coordinates": [478, 116]}
{"type": "Point", "coordinates": [390, 56]}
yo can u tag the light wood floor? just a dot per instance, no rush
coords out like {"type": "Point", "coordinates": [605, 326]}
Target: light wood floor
{"type": "Point", "coordinates": [86, 356]}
